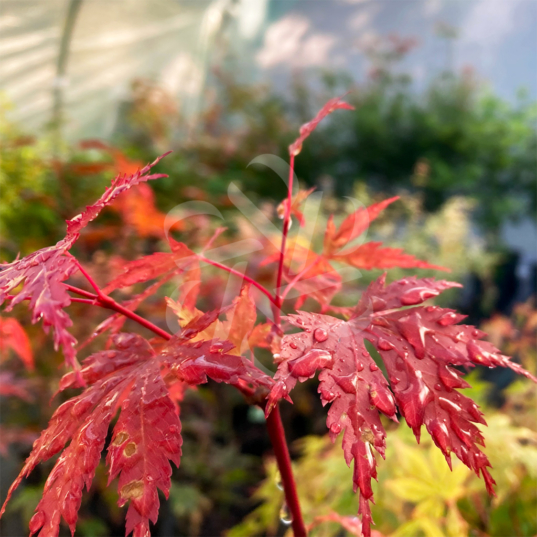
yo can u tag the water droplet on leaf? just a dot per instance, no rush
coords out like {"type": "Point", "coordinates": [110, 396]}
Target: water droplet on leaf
{"type": "Point", "coordinates": [385, 345]}
{"type": "Point", "coordinates": [320, 334]}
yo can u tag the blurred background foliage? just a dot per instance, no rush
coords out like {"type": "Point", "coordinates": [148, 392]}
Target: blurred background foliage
{"type": "Point", "coordinates": [463, 161]}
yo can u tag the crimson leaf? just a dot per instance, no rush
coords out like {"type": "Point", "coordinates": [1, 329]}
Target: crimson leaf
{"type": "Point", "coordinates": [147, 434]}
{"type": "Point", "coordinates": [419, 346]}
{"type": "Point", "coordinates": [42, 273]}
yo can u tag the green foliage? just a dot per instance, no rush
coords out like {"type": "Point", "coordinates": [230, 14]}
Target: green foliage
{"type": "Point", "coordinates": [453, 139]}
{"type": "Point", "coordinates": [28, 209]}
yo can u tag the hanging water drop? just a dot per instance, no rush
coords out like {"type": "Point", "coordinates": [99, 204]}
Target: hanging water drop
{"type": "Point", "coordinates": [374, 367]}
{"type": "Point", "coordinates": [285, 514]}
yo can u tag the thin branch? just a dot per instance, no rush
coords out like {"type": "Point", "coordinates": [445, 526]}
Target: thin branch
{"type": "Point", "coordinates": [105, 301]}
{"type": "Point", "coordinates": [281, 452]}
{"type": "Point", "coordinates": [298, 277]}
{"type": "Point", "coordinates": [91, 281]}
{"type": "Point", "coordinates": [91, 302]}
{"type": "Point", "coordinates": [218, 231]}
{"type": "Point", "coordinates": [265, 291]}
{"type": "Point", "coordinates": [80, 292]}
{"type": "Point", "coordinates": [285, 230]}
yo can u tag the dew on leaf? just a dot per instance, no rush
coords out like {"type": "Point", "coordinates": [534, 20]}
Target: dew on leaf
{"type": "Point", "coordinates": [385, 345]}
{"type": "Point", "coordinates": [320, 334]}
{"type": "Point", "coordinates": [335, 428]}
{"type": "Point", "coordinates": [447, 319]}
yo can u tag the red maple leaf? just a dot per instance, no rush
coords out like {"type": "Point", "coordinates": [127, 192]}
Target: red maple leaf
{"type": "Point", "coordinates": [147, 434]}
{"type": "Point", "coordinates": [419, 346]}
{"type": "Point", "coordinates": [309, 127]}
{"type": "Point", "coordinates": [150, 267]}
{"type": "Point", "coordinates": [42, 273]}
{"type": "Point", "coordinates": [369, 255]}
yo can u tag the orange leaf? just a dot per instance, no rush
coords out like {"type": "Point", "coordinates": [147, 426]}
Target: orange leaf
{"type": "Point", "coordinates": [353, 226]}
{"type": "Point", "coordinates": [372, 255]}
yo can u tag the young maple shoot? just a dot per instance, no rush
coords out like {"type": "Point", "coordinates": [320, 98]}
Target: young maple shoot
{"type": "Point", "coordinates": [422, 346]}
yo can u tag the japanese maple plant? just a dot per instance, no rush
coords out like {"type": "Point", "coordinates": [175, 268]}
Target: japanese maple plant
{"type": "Point", "coordinates": [423, 347]}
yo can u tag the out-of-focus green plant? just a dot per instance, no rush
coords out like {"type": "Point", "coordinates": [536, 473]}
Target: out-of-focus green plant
{"type": "Point", "coordinates": [421, 496]}
{"type": "Point", "coordinates": [28, 208]}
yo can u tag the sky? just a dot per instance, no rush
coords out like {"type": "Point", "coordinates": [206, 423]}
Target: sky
{"type": "Point", "coordinates": [497, 38]}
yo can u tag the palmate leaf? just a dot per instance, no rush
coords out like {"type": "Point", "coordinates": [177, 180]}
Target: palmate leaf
{"type": "Point", "coordinates": [146, 436]}
{"type": "Point", "coordinates": [313, 275]}
{"type": "Point", "coordinates": [369, 255]}
{"type": "Point", "coordinates": [419, 346]}
{"type": "Point", "coordinates": [42, 273]}
{"type": "Point", "coordinates": [150, 267]}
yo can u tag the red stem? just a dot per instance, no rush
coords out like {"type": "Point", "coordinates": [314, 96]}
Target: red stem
{"type": "Point", "coordinates": [277, 438]}
{"type": "Point", "coordinates": [292, 283]}
{"type": "Point", "coordinates": [285, 230]}
{"type": "Point", "coordinates": [88, 301]}
{"type": "Point", "coordinates": [266, 292]}
{"type": "Point", "coordinates": [91, 281]}
{"type": "Point", "coordinates": [80, 292]}
{"type": "Point", "coordinates": [100, 299]}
